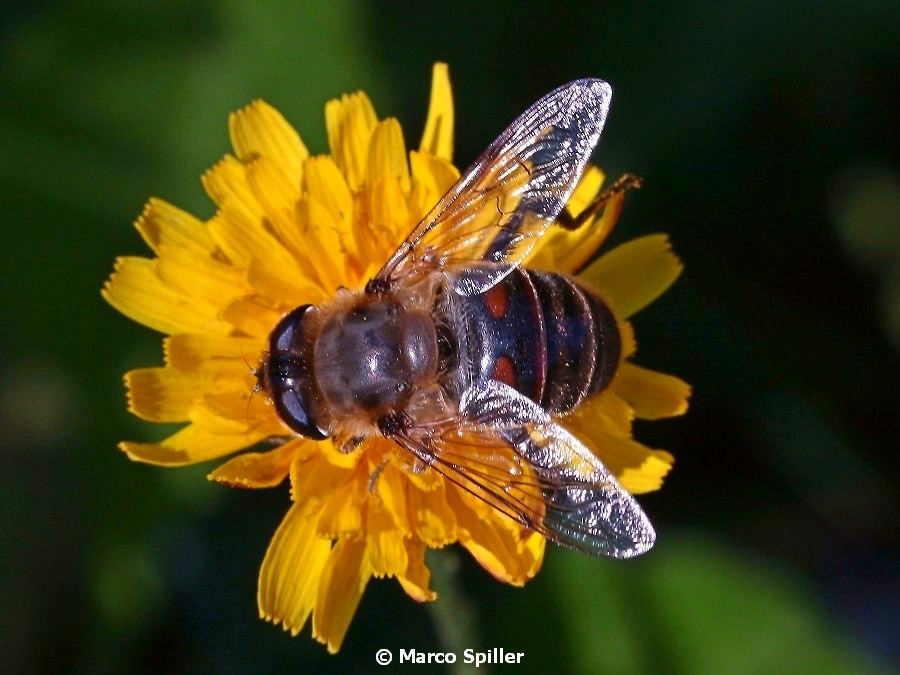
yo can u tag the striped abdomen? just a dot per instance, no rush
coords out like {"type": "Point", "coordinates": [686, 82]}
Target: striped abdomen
{"type": "Point", "coordinates": [544, 335]}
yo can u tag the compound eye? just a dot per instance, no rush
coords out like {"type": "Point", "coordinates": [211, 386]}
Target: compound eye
{"type": "Point", "coordinates": [291, 408]}
{"type": "Point", "coordinates": [282, 338]}
{"type": "Point", "coordinates": [287, 378]}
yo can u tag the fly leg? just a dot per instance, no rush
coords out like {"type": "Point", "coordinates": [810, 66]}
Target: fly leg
{"type": "Point", "coordinates": [572, 222]}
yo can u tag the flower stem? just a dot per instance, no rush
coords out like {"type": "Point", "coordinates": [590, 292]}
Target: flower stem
{"type": "Point", "coordinates": [453, 613]}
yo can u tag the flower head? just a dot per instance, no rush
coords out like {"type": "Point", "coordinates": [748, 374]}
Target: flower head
{"type": "Point", "coordinates": [291, 229]}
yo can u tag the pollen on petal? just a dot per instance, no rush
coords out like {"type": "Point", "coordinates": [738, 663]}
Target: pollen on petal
{"type": "Point", "coordinates": [633, 275]}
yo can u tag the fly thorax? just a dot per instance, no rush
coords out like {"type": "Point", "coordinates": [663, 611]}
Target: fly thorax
{"type": "Point", "coordinates": [372, 357]}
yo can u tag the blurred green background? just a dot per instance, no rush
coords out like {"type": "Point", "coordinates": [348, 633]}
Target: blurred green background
{"type": "Point", "coordinates": [767, 135]}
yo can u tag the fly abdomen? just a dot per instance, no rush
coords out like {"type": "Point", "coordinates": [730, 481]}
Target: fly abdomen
{"type": "Point", "coordinates": [544, 335]}
{"type": "Point", "coordinates": [582, 337]}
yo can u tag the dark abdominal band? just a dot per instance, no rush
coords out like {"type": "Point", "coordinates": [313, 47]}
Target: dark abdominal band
{"type": "Point", "coordinates": [546, 336]}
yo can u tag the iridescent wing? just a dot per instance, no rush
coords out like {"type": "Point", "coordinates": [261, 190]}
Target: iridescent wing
{"type": "Point", "coordinates": [507, 451]}
{"type": "Point", "coordinates": [490, 220]}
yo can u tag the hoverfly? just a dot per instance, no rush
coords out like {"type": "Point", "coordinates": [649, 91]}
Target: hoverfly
{"type": "Point", "coordinates": [463, 357]}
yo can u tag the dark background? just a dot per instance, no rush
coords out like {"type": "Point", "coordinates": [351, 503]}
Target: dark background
{"type": "Point", "coordinates": [767, 135]}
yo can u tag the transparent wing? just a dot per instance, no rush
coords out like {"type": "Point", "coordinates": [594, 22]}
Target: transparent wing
{"type": "Point", "coordinates": [509, 453]}
{"type": "Point", "coordinates": [491, 218]}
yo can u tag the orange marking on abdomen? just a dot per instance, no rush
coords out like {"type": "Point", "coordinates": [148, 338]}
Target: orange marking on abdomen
{"type": "Point", "coordinates": [496, 300]}
{"type": "Point", "coordinates": [504, 371]}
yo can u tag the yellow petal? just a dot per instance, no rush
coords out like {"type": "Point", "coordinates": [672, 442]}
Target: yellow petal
{"type": "Point", "coordinates": [331, 452]}
{"type": "Point", "coordinates": [244, 241]}
{"type": "Point", "coordinates": [416, 577]}
{"type": "Point", "coordinates": [235, 418]}
{"type": "Point", "coordinates": [389, 220]}
{"type": "Point", "coordinates": [211, 353]}
{"type": "Point", "coordinates": [202, 278]}
{"type": "Point", "coordinates": [626, 335]}
{"type": "Point", "coordinates": [432, 177]}
{"type": "Point", "coordinates": [292, 571]}
{"type": "Point", "coordinates": [590, 236]}
{"type": "Point", "coordinates": [315, 480]}
{"type": "Point", "coordinates": [350, 121]}
{"type": "Point", "coordinates": [161, 223]}
{"type": "Point", "coordinates": [587, 189]}
{"type": "Point", "coordinates": [320, 234]}
{"type": "Point", "coordinates": [163, 394]}
{"type": "Point", "coordinates": [437, 138]}
{"type": "Point", "coordinates": [434, 521]}
{"type": "Point", "coordinates": [278, 196]}
{"type": "Point", "coordinates": [387, 154]}
{"type": "Point", "coordinates": [390, 488]}
{"type": "Point", "coordinates": [326, 186]}
{"type": "Point", "coordinates": [226, 184]}
{"type": "Point", "coordinates": [651, 394]}
{"type": "Point", "coordinates": [190, 445]}
{"type": "Point", "coordinates": [567, 251]}
{"type": "Point", "coordinates": [343, 581]}
{"type": "Point", "coordinates": [342, 513]}
{"type": "Point", "coordinates": [386, 543]}
{"type": "Point", "coordinates": [251, 317]}
{"type": "Point", "coordinates": [633, 275]}
{"type": "Point", "coordinates": [257, 469]}
{"type": "Point", "coordinates": [604, 413]}
{"type": "Point", "coordinates": [637, 467]}
{"type": "Point", "coordinates": [137, 291]}
{"type": "Point", "coordinates": [260, 130]}
{"type": "Point", "coordinates": [284, 291]}
{"type": "Point", "coordinates": [245, 408]}
{"type": "Point", "coordinates": [498, 543]}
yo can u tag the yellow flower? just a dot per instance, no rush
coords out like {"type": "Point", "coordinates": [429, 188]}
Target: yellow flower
{"type": "Point", "coordinates": [291, 229]}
